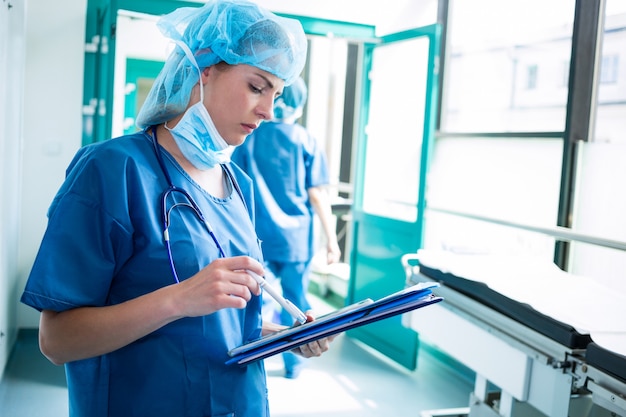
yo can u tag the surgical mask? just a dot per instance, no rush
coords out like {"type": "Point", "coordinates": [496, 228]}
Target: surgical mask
{"type": "Point", "coordinates": [196, 134]}
{"type": "Point", "coordinates": [198, 138]}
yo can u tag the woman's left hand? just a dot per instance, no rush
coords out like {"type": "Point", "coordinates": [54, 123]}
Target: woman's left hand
{"type": "Point", "coordinates": [315, 348]}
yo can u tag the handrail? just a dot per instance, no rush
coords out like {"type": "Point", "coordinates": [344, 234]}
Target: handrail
{"type": "Point", "coordinates": [561, 233]}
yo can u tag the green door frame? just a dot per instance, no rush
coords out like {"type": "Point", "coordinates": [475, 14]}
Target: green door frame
{"type": "Point", "coordinates": [100, 37]}
{"type": "Point", "coordinates": [100, 31]}
{"type": "Point", "coordinates": [379, 241]}
{"type": "Point", "coordinates": [137, 69]}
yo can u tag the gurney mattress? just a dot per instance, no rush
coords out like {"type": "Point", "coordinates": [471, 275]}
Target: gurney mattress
{"type": "Point", "coordinates": [610, 362]}
{"type": "Point", "coordinates": [560, 332]}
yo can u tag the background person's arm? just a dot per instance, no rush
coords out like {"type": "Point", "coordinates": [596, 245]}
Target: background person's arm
{"type": "Point", "coordinates": [321, 204]}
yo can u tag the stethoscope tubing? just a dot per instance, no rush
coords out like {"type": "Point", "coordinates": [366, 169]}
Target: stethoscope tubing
{"type": "Point", "coordinates": [171, 189]}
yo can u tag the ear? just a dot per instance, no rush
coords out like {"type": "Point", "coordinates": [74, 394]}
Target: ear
{"type": "Point", "coordinates": [205, 74]}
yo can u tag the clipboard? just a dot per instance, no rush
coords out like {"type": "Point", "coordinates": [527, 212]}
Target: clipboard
{"type": "Point", "coordinates": [346, 318]}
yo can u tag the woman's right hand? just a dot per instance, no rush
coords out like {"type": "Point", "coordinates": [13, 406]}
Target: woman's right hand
{"type": "Point", "coordinates": [224, 283]}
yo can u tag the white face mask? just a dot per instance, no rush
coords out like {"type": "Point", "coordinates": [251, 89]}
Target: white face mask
{"type": "Point", "coordinates": [196, 134]}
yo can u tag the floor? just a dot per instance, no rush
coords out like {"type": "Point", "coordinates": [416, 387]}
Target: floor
{"type": "Point", "coordinates": [348, 381]}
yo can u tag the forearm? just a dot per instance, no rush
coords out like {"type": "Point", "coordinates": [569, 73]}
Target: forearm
{"type": "Point", "coordinates": [321, 205]}
{"type": "Point", "coordinates": [86, 332]}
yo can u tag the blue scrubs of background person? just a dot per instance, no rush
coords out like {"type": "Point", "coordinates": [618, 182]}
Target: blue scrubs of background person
{"type": "Point", "coordinates": [289, 170]}
{"type": "Point", "coordinates": [140, 298]}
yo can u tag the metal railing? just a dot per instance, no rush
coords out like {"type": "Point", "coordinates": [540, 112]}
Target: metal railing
{"type": "Point", "coordinates": [560, 233]}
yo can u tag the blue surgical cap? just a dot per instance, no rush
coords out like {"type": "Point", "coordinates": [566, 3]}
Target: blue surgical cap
{"type": "Point", "coordinates": [233, 31]}
{"type": "Point", "coordinates": [288, 106]}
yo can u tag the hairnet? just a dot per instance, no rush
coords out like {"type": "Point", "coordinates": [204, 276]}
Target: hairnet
{"type": "Point", "coordinates": [234, 31]}
{"type": "Point", "coordinates": [291, 102]}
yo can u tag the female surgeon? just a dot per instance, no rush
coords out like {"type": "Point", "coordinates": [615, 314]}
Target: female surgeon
{"type": "Point", "coordinates": [141, 275]}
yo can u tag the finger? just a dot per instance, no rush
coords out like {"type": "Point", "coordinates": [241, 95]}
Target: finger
{"type": "Point", "coordinates": [245, 267]}
{"type": "Point", "coordinates": [313, 349]}
{"type": "Point", "coordinates": [322, 346]}
{"type": "Point", "coordinates": [242, 263]}
{"type": "Point", "coordinates": [305, 351]}
{"type": "Point", "coordinates": [230, 273]}
{"type": "Point", "coordinates": [231, 301]}
{"type": "Point", "coordinates": [233, 290]}
{"type": "Point", "coordinates": [229, 282]}
{"type": "Point", "coordinates": [248, 279]}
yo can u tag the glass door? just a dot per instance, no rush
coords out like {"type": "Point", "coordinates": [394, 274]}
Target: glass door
{"type": "Point", "coordinates": [399, 102]}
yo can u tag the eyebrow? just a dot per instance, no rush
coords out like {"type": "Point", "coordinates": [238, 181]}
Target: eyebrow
{"type": "Point", "coordinates": [267, 80]}
{"type": "Point", "coordinates": [269, 83]}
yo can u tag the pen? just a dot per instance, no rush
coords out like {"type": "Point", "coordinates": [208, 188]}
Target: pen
{"type": "Point", "coordinates": [286, 304]}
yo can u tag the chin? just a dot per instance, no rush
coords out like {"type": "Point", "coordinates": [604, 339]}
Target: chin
{"type": "Point", "coordinates": [238, 141]}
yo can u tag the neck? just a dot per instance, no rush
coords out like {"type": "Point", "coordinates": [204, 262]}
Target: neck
{"type": "Point", "coordinates": [165, 139]}
{"type": "Point", "coordinates": [211, 179]}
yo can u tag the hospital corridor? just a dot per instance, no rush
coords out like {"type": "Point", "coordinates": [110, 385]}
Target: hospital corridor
{"type": "Point", "coordinates": [286, 208]}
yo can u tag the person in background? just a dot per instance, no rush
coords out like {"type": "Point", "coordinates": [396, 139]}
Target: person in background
{"type": "Point", "coordinates": [289, 171]}
{"type": "Point", "coordinates": [141, 277]}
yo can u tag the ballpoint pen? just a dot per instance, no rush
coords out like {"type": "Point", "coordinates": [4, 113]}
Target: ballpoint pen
{"type": "Point", "coordinates": [286, 304]}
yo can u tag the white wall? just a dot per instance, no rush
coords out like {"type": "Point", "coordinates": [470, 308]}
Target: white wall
{"type": "Point", "coordinates": [53, 97]}
{"type": "Point", "coordinates": [12, 39]}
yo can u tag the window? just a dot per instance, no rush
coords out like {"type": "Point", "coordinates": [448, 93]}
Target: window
{"type": "Point", "coordinates": [564, 74]}
{"type": "Point", "coordinates": [609, 69]}
{"type": "Point", "coordinates": [531, 77]}
{"type": "Point", "coordinates": [600, 201]}
{"type": "Point", "coordinates": [492, 70]}
{"type": "Point", "coordinates": [488, 159]}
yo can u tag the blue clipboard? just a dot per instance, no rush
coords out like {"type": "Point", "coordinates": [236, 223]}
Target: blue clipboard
{"type": "Point", "coordinates": [346, 318]}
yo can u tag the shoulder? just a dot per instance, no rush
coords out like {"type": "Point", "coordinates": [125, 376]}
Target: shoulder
{"type": "Point", "coordinates": [103, 174]}
{"type": "Point", "coordinates": [120, 146]}
{"type": "Point", "coordinates": [240, 175]}
{"type": "Point", "coordinates": [284, 134]}
{"type": "Point", "coordinates": [113, 164]}
{"type": "Point", "coordinates": [112, 154]}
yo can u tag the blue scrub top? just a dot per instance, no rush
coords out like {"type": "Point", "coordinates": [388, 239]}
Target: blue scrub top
{"type": "Point", "coordinates": [104, 245]}
{"type": "Point", "coordinates": [284, 160]}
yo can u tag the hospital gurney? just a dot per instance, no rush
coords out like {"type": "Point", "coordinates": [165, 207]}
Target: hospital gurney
{"type": "Point", "coordinates": [605, 371]}
{"type": "Point", "coordinates": [528, 331]}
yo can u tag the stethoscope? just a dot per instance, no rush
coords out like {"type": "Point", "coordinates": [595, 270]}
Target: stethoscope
{"type": "Point", "coordinates": [188, 202]}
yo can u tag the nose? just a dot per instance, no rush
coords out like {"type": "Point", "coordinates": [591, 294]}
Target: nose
{"type": "Point", "coordinates": [265, 108]}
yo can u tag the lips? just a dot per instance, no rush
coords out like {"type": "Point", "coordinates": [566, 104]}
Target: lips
{"type": "Point", "coordinates": [249, 127]}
